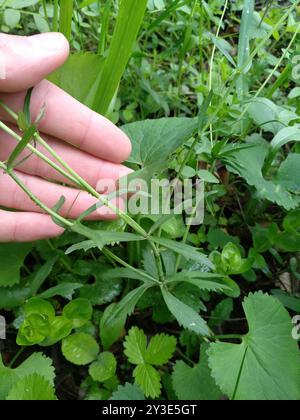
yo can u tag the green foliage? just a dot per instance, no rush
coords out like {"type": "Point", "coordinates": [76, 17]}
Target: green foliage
{"type": "Point", "coordinates": [201, 386]}
{"type": "Point", "coordinates": [266, 364]}
{"type": "Point", "coordinates": [128, 392]}
{"type": "Point", "coordinates": [205, 90]}
{"type": "Point", "coordinates": [35, 371]}
{"type": "Point", "coordinates": [147, 147]}
{"type": "Point", "coordinates": [12, 258]}
{"type": "Point", "coordinates": [185, 315]}
{"type": "Point", "coordinates": [41, 325]}
{"type": "Point", "coordinates": [158, 352]}
{"type": "Point", "coordinates": [80, 349]}
{"type": "Point", "coordinates": [32, 388]}
{"type": "Point", "coordinates": [104, 367]}
{"type": "Point", "coordinates": [79, 311]}
{"type": "Point", "coordinates": [77, 76]}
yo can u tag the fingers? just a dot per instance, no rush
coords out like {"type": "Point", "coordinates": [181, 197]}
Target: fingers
{"type": "Point", "coordinates": [69, 120]}
{"type": "Point", "coordinates": [90, 168]}
{"type": "Point", "coordinates": [25, 61]}
{"type": "Point", "coordinates": [76, 201]}
{"type": "Point", "coordinates": [26, 227]}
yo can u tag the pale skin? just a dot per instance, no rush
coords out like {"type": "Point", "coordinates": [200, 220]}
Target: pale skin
{"type": "Point", "coordinates": [93, 146]}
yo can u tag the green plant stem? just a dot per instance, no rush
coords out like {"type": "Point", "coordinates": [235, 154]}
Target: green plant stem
{"type": "Point", "coordinates": [266, 82]}
{"type": "Point", "coordinates": [104, 27]}
{"type": "Point", "coordinates": [65, 21]}
{"type": "Point", "coordinates": [212, 61]}
{"type": "Point", "coordinates": [74, 177]}
{"type": "Point", "coordinates": [236, 73]}
{"type": "Point", "coordinates": [16, 356]}
{"type": "Point", "coordinates": [32, 149]}
{"type": "Point", "coordinates": [55, 16]}
{"type": "Point", "coordinates": [69, 173]}
{"type": "Point", "coordinates": [62, 220]}
{"type": "Point", "coordinates": [45, 9]}
{"type": "Point", "coordinates": [185, 236]}
{"type": "Point", "coordinates": [229, 337]}
{"type": "Point", "coordinates": [33, 198]}
{"type": "Point", "coordinates": [110, 254]}
{"type": "Point", "coordinates": [186, 40]}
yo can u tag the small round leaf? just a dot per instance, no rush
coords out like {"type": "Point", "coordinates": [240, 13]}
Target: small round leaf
{"type": "Point", "coordinates": [104, 368]}
{"type": "Point", "coordinates": [80, 349]}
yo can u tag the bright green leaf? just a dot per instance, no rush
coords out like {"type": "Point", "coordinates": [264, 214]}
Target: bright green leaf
{"type": "Point", "coordinates": [104, 367]}
{"type": "Point", "coordinates": [160, 349]}
{"type": "Point", "coordinates": [148, 379]}
{"type": "Point", "coordinates": [266, 364]}
{"type": "Point", "coordinates": [195, 383]}
{"type": "Point", "coordinates": [80, 349]}
{"type": "Point", "coordinates": [12, 257]}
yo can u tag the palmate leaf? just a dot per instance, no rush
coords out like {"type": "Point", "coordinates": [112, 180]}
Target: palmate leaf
{"type": "Point", "coordinates": [201, 385]}
{"type": "Point", "coordinates": [36, 363]}
{"type": "Point", "coordinates": [128, 392]}
{"type": "Point", "coordinates": [12, 257]}
{"type": "Point", "coordinates": [265, 366]}
{"type": "Point", "coordinates": [158, 352]}
{"type": "Point", "coordinates": [32, 388]}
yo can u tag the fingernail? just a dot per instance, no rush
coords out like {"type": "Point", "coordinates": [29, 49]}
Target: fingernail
{"type": "Point", "coordinates": [49, 42]}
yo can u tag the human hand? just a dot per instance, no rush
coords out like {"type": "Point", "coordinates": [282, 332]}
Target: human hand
{"type": "Point", "coordinates": [88, 142]}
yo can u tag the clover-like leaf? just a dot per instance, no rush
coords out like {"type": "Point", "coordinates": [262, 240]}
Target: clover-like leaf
{"type": "Point", "coordinates": [160, 349]}
{"type": "Point", "coordinates": [135, 346]}
{"type": "Point", "coordinates": [148, 379]}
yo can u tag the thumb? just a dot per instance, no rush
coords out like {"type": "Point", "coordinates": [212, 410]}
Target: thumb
{"type": "Point", "coordinates": [25, 61]}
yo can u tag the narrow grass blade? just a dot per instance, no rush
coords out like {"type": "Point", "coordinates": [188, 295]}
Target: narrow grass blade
{"type": "Point", "coordinates": [104, 27]}
{"type": "Point", "coordinates": [244, 47]}
{"type": "Point", "coordinates": [55, 16]}
{"type": "Point", "coordinates": [66, 14]}
{"type": "Point", "coordinates": [128, 23]}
